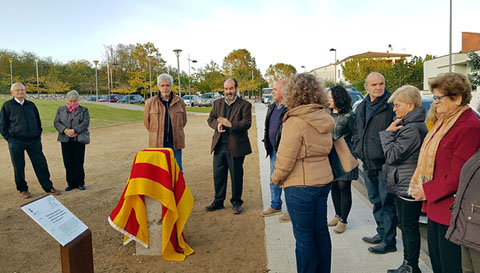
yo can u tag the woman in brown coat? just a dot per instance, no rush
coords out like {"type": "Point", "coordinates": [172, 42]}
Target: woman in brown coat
{"type": "Point", "coordinates": [303, 170]}
{"type": "Point", "coordinates": [464, 227]}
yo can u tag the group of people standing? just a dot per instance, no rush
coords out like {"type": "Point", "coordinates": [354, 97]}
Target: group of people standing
{"type": "Point", "coordinates": [407, 167]}
{"type": "Point", "coordinates": [21, 127]}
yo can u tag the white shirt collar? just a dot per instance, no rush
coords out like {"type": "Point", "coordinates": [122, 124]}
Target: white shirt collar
{"type": "Point", "coordinates": [21, 102]}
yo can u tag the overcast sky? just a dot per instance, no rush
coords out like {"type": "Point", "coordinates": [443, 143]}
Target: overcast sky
{"type": "Point", "coordinates": [297, 32]}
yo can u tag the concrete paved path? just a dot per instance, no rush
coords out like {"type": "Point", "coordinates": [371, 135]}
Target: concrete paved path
{"type": "Point", "coordinates": [349, 252]}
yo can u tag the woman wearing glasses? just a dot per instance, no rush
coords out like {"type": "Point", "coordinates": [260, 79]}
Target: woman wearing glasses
{"type": "Point", "coordinates": [450, 143]}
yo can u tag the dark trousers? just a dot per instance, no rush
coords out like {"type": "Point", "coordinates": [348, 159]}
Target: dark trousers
{"type": "Point", "coordinates": [383, 203]}
{"type": "Point", "coordinates": [307, 207]}
{"type": "Point", "coordinates": [342, 199]}
{"type": "Point", "coordinates": [446, 257]}
{"type": "Point", "coordinates": [73, 158]}
{"type": "Point", "coordinates": [223, 161]}
{"type": "Point", "coordinates": [39, 162]}
{"type": "Point", "coordinates": [408, 215]}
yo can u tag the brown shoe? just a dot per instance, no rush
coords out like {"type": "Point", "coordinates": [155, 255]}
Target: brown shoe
{"type": "Point", "coordinates": [340, 227]}
{"type": "Point", "coordinates": [284, 218]}
{"type": "Point", "coordinates": [25, 194]}
{"type": "Point", "coordinates": [333, 222]}
{"type": "Point", "coordinates": [54, 191]}
{"type": "Point", "coordinates": [271, 211]}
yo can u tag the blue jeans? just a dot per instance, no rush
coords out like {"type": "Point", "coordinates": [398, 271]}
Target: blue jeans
{"type": "Point", "coordinates": [307, 207]}
{"type": "Point", "coordinates": [275, 191]}
{"type": "Point", "coordinates": [383, 203]}
{"type": "Point", "coordinates": [176, 153]}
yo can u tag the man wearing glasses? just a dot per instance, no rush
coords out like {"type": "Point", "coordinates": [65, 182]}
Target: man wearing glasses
{"type": "Point", "coordinates": [20, 126]}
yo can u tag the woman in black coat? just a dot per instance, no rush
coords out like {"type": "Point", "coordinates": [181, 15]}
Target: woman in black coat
{"type": "Point", "coordinates": [341, 110]}
{"type": "Point", "coordinates": [71, 122]}
{"type": "Point", "coordinates": [401, 143]}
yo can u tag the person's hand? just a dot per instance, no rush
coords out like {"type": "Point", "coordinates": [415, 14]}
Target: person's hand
{"type": "Point", "coordinates": [220, 128]}
{"type": "Point", "coordinates": [70, 133]}
{"type": "Point", "coordinates": [225, 122]}
{"type": "Point", "coordinates": [394, 126]}
{"type": "Point", "coordinates": [418, 193]}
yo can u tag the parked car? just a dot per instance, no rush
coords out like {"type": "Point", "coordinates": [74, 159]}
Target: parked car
{"type": "Point", "coordinates": [191, 100]}
{"type": "Point", "coordinates": [267, 99]}
{"type": "Point", "coordinates": [354, 94]}
{"type": "Point", "coordinates": [113, 98]}
{"type": "Point", "coordinates": [208, 98]}
{"type": "Point", "coordinates": [136, 99]}
{"type": "Point", "coordinates": [92, 98]}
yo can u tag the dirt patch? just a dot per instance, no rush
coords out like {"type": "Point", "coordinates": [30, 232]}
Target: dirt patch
{"type": "Point", "coordinates": [223, 242]}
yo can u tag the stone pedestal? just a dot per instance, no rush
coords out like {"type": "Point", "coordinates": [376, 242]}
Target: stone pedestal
{"type": "Point", "coordinates": [154, 218]}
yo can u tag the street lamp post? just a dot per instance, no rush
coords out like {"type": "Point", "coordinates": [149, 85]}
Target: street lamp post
{"type": "Point", "coordinates": [189, 85]}
{"type": "Point", "coordinates": [450, 41]}
{"type": "Point", "coordinates": [36, 68]}
{"type": "Point", "coordinates": [335, 64]}
{"type": "Point", "coordinates": [10, 60]}
{"type": "Point", "coordinates": [303, 67]}
{"type": "Point", "coordinates": [177, 53]}
{"type": "Point", "coordinates": [150, 74]}
{"type": "Point", "coordinates": [115, 65]}
{"type": "Point", "coordinates": [96, 79]}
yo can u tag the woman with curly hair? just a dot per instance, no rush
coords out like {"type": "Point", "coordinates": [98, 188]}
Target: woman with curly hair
{"type": "Point", "coordinates": [303, 170]}
{"type": "Point", "coordinates": [339, 102]}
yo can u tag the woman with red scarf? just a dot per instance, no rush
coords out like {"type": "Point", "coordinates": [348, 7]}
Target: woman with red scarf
{"type": "Point", "coordinates": [71, 121]}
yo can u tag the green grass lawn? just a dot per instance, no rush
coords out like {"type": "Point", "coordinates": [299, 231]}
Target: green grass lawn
{"type": "Point", "coordinates": [100, 115]}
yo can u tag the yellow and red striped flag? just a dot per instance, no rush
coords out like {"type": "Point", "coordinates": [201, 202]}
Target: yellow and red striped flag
{"type": "Point", "coordinates": [155, 174]}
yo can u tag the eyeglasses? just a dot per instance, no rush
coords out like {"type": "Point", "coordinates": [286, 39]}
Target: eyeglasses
{"type": "Point", "coordinates": [440, 97]}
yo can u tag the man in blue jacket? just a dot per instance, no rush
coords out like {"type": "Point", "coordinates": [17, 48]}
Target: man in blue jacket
{"type": "Point", "coordinates": [20, 126]}
{"type": "Point", "coordinates": [271, 140]}
{"type": "Point", "coordinates": [373, 115]}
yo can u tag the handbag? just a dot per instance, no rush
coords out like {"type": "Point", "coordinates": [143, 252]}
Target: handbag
{"type": "Point", "coordinates": [341, 159]}
{"type": "Point", "coordinates": [84, 137]}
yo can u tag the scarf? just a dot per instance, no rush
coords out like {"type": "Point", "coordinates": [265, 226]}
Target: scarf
{"type": "Point", "coordinates": [428, 151]}
{"type": "Point", "coordinates": [72, 108]}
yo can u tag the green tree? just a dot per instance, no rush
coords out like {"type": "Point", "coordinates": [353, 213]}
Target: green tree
{"type": "Point", "coordinates": [474, 63]}
{"type": "Point", "coordinates": [279, 71]}
{"type": "Point", "coordinates": [209, 78]}
{"type": "Point", "coordinates": [241, 65]}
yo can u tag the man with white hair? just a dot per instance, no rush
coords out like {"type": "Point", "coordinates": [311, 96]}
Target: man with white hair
{"type": "Point", "coordinates": [165, 116]}
{"type": "Point", "coordinates": [21, 127]}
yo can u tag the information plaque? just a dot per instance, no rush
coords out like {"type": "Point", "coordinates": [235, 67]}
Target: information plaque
{"type": "Point", "coordinates": [55, 218]}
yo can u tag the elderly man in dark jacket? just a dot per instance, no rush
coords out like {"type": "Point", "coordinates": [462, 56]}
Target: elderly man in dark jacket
{"type": "Point", "coordinates": [464, 227]}
{"type": "Point", "coordinates": [21, 127]}
{"type": "Point", "coordinates": [271, 140]}
{"type": "Point", "coordinates": [401, 143]}
{"type": "Point", "coordinates": [373, 115]}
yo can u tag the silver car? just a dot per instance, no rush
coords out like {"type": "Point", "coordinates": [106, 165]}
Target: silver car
{"type": "Point", "coordinates": [191, 100]}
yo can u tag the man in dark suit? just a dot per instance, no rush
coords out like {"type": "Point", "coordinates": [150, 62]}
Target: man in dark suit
{"type": "Point", "coordinates": [231, 117]}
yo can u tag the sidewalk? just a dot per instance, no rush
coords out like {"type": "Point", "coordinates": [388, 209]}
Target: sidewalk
{"type": "Point", "coordinates": [349, 252]}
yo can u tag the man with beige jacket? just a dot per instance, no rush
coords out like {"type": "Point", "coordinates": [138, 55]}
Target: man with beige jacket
{"type": "Point", "coordinates": [165, 116]}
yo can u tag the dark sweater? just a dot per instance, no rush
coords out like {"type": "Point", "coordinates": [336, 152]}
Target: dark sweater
{"type": "Point", "coordinates": [20, 122]}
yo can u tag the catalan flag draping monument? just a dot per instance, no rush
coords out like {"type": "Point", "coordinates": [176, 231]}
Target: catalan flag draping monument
{"type": "Point", "coordinates": [155, 174]}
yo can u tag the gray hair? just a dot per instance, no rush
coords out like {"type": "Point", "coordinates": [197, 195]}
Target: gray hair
{"type": "Point", "coordinates": [164, 77]}
{"type": "Point", "coordinates": [17, 84]}
{"type": "Point", "coordinates": [406, 94]}
{"type": "Point", "coordinates": [73, 95]}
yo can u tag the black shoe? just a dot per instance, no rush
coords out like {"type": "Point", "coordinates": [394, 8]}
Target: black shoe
{"type": "Point", "coordinates": [404, 268]}
{"type": "Point", "coordinates": [237, 209]}
{"type": "Point", "coordinates": [213, 207]}
{"type": "Point", "coordinates": [81, 187]}
{"type": "Point", "coordinates": [382, 248]}
{"type": "Point", "coordinates": [376, 239]}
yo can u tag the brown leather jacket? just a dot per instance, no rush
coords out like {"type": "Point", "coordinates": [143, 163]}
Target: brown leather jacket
{"type": "Point", "coordinates": [302, 157]}
{"type": "Point", "coordinates": [241, 119]}
{"type": "Point", "coordinates": [464, 227]}
{"type": "Point", "coordinates": [154, 117]}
